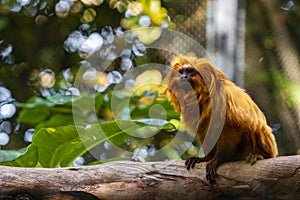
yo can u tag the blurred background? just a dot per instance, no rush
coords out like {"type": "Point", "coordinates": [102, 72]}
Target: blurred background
{"type": "Point", "coordinates": [43, 43]}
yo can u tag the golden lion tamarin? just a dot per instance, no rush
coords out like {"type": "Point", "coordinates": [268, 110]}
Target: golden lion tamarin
{"type": "Point", "coordinates": [244, 132]}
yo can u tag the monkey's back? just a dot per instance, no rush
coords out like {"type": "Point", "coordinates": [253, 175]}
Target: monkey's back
{"type": "Point", "coordinates": [242, 113]}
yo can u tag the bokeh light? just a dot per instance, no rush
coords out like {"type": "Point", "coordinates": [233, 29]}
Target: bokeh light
{"type": "Point", "coordinates": [92, 2]}
{"type": "Point", "coordinates": [29, 135]}
{"type": "Point", "coordinates": [5, 94]}
{"type": "Point", "coordinates": [5, 127]}
{"type": "Point", "coordinates": [63, 7]}
{"type": "Point", "coordinates": [78, 162]}
{"type": "Point", "coordinates": [47, 78]}
{"type": "Point", "coordinates": [4, 139]}
{"type": "Point", "coordinates": [7, 110]}
{"type": "Point", "coordinates": [88, 15]}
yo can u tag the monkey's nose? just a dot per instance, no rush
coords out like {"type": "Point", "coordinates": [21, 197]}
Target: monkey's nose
{"type": "Point", "coordinates": [185, 77]}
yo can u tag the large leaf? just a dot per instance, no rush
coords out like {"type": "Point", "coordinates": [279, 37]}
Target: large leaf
{"type": "Point", "coordinates": [33, 115]}
{"type": "Point", "coordinates": [118, 131]}
{"type": "Point", "coordinates": [34, 102]}
{"type": "Point", "coordinates": [38, 109]}
{"type": "Point", "coordinates": [143, 111]}
{"type": "Point", "coordinates": [55, 121]}
{"type": "Point", "coordinates": [62, 145]}
{"type": "Point", "coordinates": [60, 99]}
{"type": "Point", "coordinates": [26, 157]}
{"type": "Point", "coordinates": [10, 155]}
{"type": "Point", "coordinates": [57, 144]}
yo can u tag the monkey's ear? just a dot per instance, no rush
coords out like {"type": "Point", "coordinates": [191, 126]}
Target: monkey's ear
{"type": "Point", "coordinates": [176, 62]}
{"type": "Point", "coordinates": [211, 76]}
{"type": "Point", "coordinates": [180, 60]}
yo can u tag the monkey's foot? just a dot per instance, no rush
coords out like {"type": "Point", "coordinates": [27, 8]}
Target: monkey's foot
{"type": "Point", "coordinates": [211, 172]}
{"type": "Point", "coordinates": [252, 158]}
{"type": "Point", "coordinates": [191, 162]}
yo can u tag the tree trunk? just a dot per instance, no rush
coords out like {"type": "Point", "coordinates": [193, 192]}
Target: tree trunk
{"type": "Point", "coordinates": [225, 36]}
{"type": "Point", "coordinates": [277, 178]}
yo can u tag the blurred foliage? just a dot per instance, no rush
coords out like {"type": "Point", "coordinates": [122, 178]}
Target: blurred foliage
{"type": "Point", "coordinates": [41, 27]}
{"type": "Point", "coordinates": [272, 76]}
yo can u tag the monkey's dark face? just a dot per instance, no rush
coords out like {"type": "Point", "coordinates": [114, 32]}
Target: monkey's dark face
{"type": "Point", "coordinates": [188, 74]}
{"type": "Point", "coordinates": [185, 79]}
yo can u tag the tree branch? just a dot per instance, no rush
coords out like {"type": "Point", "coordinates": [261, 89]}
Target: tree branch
{"type": "Point", "coordinates": [277, 178]}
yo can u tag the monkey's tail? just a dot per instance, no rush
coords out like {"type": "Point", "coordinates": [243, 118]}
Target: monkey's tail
{"type": "Point", "coordinates": [266, 143]}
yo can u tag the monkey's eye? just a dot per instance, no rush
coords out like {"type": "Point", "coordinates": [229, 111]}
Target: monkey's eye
{"type": "Point", "coordinates": [181, 70]}
{"type": "Point", "coordinates": [190, 70]}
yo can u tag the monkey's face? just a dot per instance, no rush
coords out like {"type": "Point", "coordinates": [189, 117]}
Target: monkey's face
{"type": "Point", "coordinates": [185, 77]}
{"type": "Point", "coordinates": [188, 74]}
{"type": "Point", "coordinates": [198, 74]}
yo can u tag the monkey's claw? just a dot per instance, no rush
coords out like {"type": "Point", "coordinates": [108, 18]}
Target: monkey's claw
{"type": "Point", "coordinates": [191, 162]}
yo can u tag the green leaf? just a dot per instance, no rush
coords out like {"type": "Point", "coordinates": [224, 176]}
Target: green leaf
{"type": "Point", "coordinates": [143, 112]}
{"type": "Point", "coordinates": [60, 99]}
{"type": "Point", "coordinates": [38, 109]}
{"type": "Point", "coordinates": [34, 102]}
{"type": "Point", "coordinates": [55, 121]}
{"type": "Point", "coordinates": [50, 141]}
{"type": "Point", "coordinates": [33, 115]}
{"type": "Point", "coordinates": [60, 146]}
{"type": "Point", "coordinates": [10, 155]}
{"type": "Point", "coordinates": [26, 157]}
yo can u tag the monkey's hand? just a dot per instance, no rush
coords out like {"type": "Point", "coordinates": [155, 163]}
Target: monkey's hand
{"type": "Point", "coordinates": [192, 161]}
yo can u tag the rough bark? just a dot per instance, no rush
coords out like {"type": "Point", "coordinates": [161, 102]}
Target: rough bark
{"type": "Point", "coordinates": [277, 178]}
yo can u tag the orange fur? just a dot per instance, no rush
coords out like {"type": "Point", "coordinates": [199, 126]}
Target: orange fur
{"type": "Point", "coordinates": [245, 134]}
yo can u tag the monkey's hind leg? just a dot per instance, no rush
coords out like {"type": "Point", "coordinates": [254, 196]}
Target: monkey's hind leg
{"type": "Point", "coordinates": [230, 147]}
{"type": "Point", "coordinates": [252, 158]}
{"type": "Point", "coordinates": [211, 166]}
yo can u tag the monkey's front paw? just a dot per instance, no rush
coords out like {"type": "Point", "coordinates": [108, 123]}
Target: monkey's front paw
{"type": "Point", "coordinates": [191, 162]}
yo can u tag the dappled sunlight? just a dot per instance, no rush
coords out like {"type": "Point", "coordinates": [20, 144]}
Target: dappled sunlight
{"type": "Point", "coordinates": [7, 110]}
{"type": "Point", "coordinates": [147, 81]}
{"type": "Point", "coordinates": [47, 78]}
{"type": "Point", "coordinates": [63, 7]}
{"type": "Point", "coordinates": [29, 135]}
{"type": "Point", "coordinates": [289, 5]}
{"type": "Point", "coordinates": [4, 139]}
{"type": "Point", "coordinates": [5, 94]}
{"type": "Point", "coordinates": [92, 2]}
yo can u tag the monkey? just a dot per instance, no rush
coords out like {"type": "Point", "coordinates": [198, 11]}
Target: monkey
{"type": "Point", "coordinates": [244, 132]}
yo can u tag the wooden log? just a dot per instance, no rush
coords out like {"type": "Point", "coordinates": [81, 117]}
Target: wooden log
{"type": "Point", "coordinates": [277, 178]}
